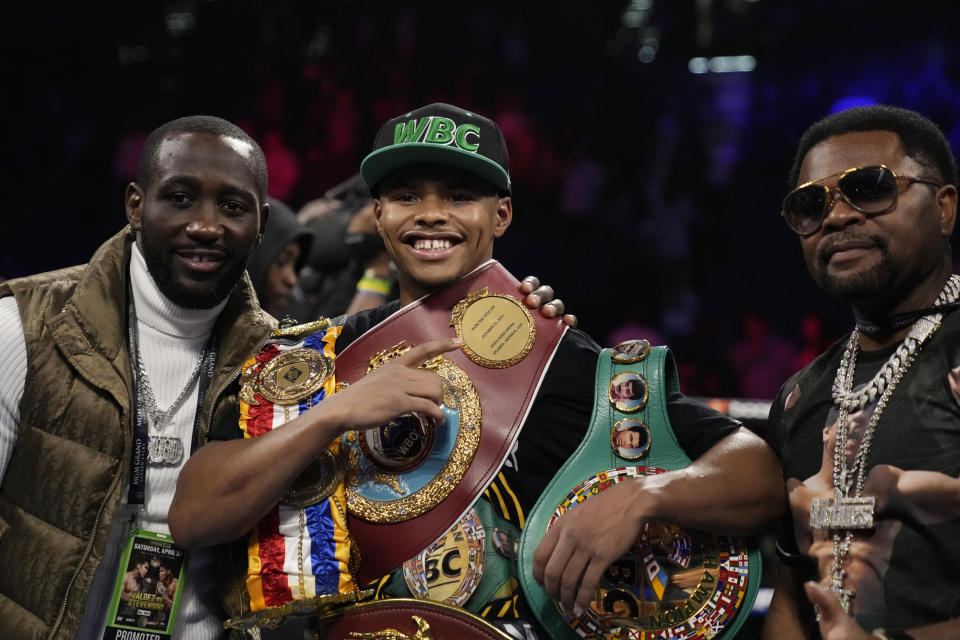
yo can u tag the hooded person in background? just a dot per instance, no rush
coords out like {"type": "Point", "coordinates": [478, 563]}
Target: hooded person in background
{"type": "Point", "coordinates": [275, 265]}
{"type": "Point", "coordinates": [348, 270]}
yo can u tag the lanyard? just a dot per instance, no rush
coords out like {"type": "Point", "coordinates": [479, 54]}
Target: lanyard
{"type": "Point", "coordinates": [138, 459]}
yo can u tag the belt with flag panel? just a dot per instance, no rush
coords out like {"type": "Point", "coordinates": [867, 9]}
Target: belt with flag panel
{"type": "Point", "coordinates": [302, 547]}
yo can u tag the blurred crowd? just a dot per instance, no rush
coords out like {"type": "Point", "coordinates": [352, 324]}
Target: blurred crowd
{"type": "Point", "coordinates": [645, 194]}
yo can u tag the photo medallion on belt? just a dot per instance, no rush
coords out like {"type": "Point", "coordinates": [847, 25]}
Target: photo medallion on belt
{"type": "Point", "coordinates": [628, 391]}
{"type": "Point", "coordinates": [450, 569]}
{"type": "Point", "coordinates": [404, 468]}
{"type": "Point", "coordinates": [630, 438]}
{"type": "Point", "coordinates": [497, 330]}
{"type": "Point", "coordinates": [673, 583]}
{"type": "Point", "coordinates": [630, 351]}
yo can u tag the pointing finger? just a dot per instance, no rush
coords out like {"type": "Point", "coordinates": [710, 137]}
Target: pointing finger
{"type": "Point", "coordinates": [423, 352]}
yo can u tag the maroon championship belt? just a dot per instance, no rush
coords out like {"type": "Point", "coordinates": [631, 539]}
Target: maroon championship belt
{"type": "Point", "coordinates": [402, 619]}
{"type": "Point", "coordinates": [408, 482]}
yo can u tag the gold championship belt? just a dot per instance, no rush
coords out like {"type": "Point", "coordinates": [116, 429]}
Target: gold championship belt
{"type": "Point", "coordinates": [408, 481]}
{"type": "Point", "coordinates": [300, 557]}
{"type": "Point", "coordinates": [674, 582]}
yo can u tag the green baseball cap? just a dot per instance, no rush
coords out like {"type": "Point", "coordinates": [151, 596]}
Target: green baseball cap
{"type": "Point", "coordinates": [439, 134]}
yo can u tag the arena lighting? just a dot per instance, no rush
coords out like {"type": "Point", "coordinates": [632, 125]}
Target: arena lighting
{"type": "Point", "coordinates": [651, 42]}
{"type": "Point", "coordinates": [722, 64]}
{"type": "Point", "coordinates": [131, 54]}
{"type": "Point", "coordinates": [636, 13]}
{"type": "Point", "coordinates": [180, 23]}
{"type": "Point", "coordinates": [848, 102]}
{"type": "Point", "coordinates": [740, 408]}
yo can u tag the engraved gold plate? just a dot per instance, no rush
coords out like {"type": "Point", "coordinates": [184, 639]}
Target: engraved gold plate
{"type": "Point", "coordinates": [394, 483]}
{"type": "Point", "coordinates": [672, 583]}
{"type": "Point", "coordinates": [497, 330]}
{"type": "Point", "coordinates": [288, 378]}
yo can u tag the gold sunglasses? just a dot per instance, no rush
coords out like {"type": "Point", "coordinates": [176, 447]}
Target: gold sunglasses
{"type": "Point", "coordinates": [870, 190]}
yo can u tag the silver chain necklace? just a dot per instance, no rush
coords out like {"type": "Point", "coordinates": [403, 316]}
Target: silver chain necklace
{"type": "Point", "coordinates": [846, 512]}
{"type": "Point", "coordinates": [843, 393]}
{"type": "Point", "coordinates": [161, 449]}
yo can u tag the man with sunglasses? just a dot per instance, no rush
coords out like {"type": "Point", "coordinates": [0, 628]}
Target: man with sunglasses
{"type": "Point", "coordinates": [869, 433]}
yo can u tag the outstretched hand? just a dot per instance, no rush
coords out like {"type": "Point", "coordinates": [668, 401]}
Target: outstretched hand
{"type": "Point", "coordinates": [834, 623]}
{"type": "Point", "coordinates": [398, 386]}
{"type": "Point", "coordinates": [541, 297]}
{"type": "Point", "coordinates": [573, 555]}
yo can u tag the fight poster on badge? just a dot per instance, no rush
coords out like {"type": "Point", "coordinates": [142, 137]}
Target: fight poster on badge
{"type": "Point", "coordinates": [148, 587]}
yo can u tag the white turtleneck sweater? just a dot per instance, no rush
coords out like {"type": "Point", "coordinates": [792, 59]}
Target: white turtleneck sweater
{"type": "Point", "coordinates": [171, 340]}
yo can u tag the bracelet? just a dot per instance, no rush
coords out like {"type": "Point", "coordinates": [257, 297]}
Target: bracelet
{"type": "Point", "coordinates": [371, 284]}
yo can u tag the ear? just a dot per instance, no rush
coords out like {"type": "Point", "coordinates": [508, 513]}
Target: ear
{"type": "Point", "coordinates": [133, 202]}
{"type": "Point", "coordinates": [264, 216]}
{"type": "Point", "coordinates": [377, 212]}
{"type": "Point", "coordinates": [947, 200]}
{"type": "Point", "coordinates": [504, 216]}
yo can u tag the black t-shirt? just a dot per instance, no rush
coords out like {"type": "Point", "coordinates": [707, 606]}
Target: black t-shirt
{"type": "Point", "coordinates": [907, 568]}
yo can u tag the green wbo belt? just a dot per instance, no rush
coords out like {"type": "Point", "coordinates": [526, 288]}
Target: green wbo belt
{"type": "Point", "coordinates": [674, 582]}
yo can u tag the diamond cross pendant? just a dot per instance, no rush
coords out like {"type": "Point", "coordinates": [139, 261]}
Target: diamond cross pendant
{"type": "Point", "coordinates": [843, 595]}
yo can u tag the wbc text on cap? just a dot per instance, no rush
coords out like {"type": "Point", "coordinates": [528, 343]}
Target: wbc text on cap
{"type": "Point", "coordinates": [439, 134]}
{"type": "Point", "coordinates": [440, 131]}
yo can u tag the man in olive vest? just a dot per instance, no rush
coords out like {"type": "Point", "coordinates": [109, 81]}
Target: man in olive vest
{"type": "Point", "coordinates": [114, 371]}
